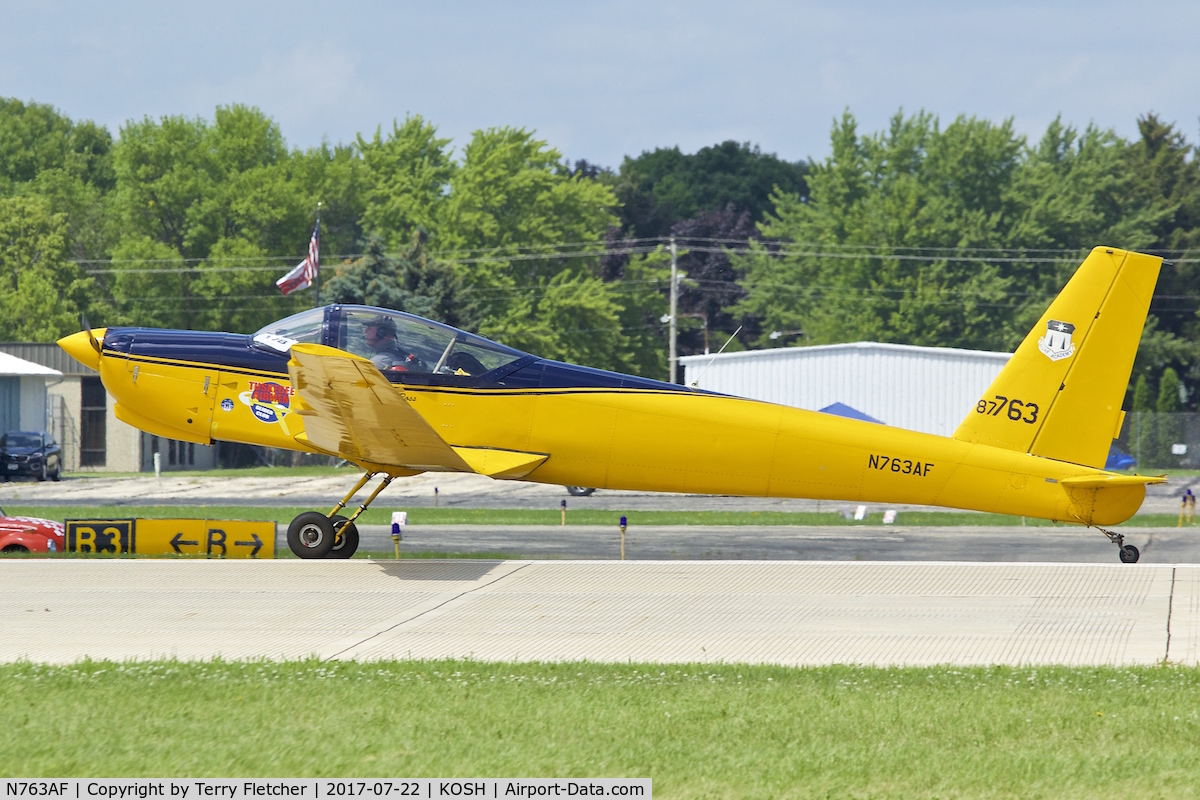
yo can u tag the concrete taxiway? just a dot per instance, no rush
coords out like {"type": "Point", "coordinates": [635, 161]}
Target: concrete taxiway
{"type": "Point", "coordinates": [787, 612]}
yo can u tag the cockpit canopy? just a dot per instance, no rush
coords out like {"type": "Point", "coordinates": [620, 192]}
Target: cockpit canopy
{"type": "Point", "coordinates": [394, 341]}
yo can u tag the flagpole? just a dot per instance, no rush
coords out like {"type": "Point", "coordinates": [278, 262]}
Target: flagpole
{"type": "Point", "coordinates": [317, 273]}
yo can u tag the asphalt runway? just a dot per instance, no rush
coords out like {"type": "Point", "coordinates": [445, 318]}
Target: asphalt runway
{"type": "Point", "coordinates": [453, 491]}
{"type": "Point", "coordinates": [777, 612]}
{"type": "Point", "coordinates": [783, 543]}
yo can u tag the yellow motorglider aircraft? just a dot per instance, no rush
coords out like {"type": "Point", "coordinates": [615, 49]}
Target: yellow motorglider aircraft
{"type": "Point", "coordinates": [399, 395]}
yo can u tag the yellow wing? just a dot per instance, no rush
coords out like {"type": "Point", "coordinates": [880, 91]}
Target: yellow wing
{"type": "Point", "coordinates": [349, 408]}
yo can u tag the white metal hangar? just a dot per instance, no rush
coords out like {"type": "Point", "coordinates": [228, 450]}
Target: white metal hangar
{"type": "Point", "coordinates": [929, 389]}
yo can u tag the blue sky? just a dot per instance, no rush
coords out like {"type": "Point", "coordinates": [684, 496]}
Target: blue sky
{"type": "Point", "coordinates": [601, 80]}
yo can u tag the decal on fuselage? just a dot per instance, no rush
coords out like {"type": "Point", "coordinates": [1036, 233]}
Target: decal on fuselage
{"type": "Point", "coordinates": [269, 402]}
{"type": "Point", "coordinates": [1018, 410]}
{"type": "Point", "coordinates": [1056, 344]}
{"type": "Point", "coordinates": [901, 466]}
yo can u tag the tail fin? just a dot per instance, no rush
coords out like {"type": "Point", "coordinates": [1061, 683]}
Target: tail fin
{"type": "Point", "coordinates": [1060, 395]}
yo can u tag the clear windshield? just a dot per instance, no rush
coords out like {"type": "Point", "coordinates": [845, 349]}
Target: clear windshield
{"type": "Point", "coordinates": [302, 327]}
{"type": "Point", "coordinates": [398, 342]}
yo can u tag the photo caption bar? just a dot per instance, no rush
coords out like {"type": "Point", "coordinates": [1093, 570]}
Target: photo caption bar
{"type": "Point", "coordinates": [322, 788]}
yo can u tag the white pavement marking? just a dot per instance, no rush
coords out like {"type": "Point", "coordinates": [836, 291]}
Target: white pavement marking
{"type": "Point", "coordinates": [791, 613]}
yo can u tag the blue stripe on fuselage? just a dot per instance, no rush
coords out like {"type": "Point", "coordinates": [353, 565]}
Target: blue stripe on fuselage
{"type": "Point", "coordinates": [236, 351]}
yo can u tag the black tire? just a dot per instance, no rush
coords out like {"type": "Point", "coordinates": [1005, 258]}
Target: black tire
{"type": "Point", "coordinates": [1129, 554]}
{"type": "Point", "coordinates": [57, 476]}
{"type": "Point", "coordinates": [310, 535]}
{"type": "Point", "coordinates": [15, 548]}
{"type": "Point", "coordinates": [346, 546]}
{"type": "Point", "coordinates": [42, 475]}
{"type": "Point", "coordinates": [579, 491]}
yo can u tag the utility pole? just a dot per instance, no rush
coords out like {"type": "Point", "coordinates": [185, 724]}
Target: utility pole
{"type": "Point", "coordinates": [674, 303]}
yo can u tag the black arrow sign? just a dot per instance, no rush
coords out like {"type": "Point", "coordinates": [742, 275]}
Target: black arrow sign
{"type": "Point", "coordinates": [257, 543]}
{"type": "Point", "coordinates": [178, 540]}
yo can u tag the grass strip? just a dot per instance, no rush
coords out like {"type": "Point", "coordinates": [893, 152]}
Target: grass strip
{"type": "Point", "coordinates": [697, 730]}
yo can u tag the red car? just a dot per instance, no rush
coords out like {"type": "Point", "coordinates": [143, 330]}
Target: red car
{"type": "Point", "coordinates": [30, 535]}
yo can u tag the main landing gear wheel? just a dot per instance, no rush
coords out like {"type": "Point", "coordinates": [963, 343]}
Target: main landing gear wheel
{"type": "Point", "coordinates": [311, 535]}
{"type": "Point", "coordinates": [346, 533]}
{"type": "Point", "coordinates": [314, 535]}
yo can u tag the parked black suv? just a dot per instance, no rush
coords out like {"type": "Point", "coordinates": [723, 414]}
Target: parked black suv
{"type": "Point", "coordinates": [30, 454]}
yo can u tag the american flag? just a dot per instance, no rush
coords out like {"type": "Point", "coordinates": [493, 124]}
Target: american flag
{"type": "Point", "coordinates": [304, 273]}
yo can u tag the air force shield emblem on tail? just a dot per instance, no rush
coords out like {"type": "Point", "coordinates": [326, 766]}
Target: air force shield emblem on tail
{"type": "Point", "coordinates": [1057, 344]}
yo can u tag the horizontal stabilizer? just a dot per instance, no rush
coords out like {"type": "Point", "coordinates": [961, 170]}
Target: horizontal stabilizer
{"type": "Point", "coordinates": [1109, 480]}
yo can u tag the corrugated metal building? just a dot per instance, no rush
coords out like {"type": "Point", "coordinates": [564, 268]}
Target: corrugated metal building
{"type": "Point", "coordinates": [928, 389]}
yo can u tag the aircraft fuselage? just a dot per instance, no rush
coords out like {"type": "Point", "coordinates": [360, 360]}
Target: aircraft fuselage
{"type": "Point", "coordinates": [608, 430]}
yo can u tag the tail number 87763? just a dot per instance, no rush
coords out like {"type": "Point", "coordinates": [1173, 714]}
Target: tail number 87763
{"type": "Point", "coordinates": [1014, 409]}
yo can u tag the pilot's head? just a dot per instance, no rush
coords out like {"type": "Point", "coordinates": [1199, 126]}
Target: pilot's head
{"type": "Point", "coordinates": [379, 330]}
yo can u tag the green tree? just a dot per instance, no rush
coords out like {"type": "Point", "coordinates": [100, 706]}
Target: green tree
{"type": "Point", "coordinates": [663, 187]}
{"type": "Point", "coordinates": [408, 281]}
{"type": "Point", "coordinates": [642, 295]}
{"type": "Point", "coordinates": [150, 286]}
{"type": "Point", "coordinates": [1165, 174]}
{"type": "Point", "coordinates": [876, 207]}
{"type": "Point", "coordinates": [513, 195]}
{"type": "Point", "coordinates": [1143, 441]}
{"type": "Point", "coordinates": [898, 232]}
{"type": "Point", "coordinates": [1169, 421]}
{"type": "Point", "coordinates": [35, 139]}
{"type": "Point", "coordinates": [44, 153]}
{"type": "Point", "coordinates": [231, 291]}
{"type": "Point", "coordinates": [574, 319]}
{"type": "Point", "coordinates": [235, 209]}
{"type": "Point", "coordinates": [405, 178]}
{"type": "Point", "coordinates": [41, 292]}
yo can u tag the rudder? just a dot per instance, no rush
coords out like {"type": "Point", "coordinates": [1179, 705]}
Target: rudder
{"type": "Point", "coordinates": [1060, 395]}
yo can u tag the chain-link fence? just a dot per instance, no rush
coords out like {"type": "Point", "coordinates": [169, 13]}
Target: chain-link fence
{"type": "Point", "coordinates": [1158, 441]}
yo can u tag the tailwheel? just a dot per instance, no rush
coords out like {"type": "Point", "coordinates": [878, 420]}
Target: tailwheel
{"type": "Point", "coordinates": [311, 535]}
{"type": "Point", "coordinates": [1127, 552]}
{"type": "Point", "coordinates": [346, 537]}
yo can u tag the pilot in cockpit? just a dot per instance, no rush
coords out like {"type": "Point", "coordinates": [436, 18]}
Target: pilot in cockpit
{"type": "Point", "coordinates": [380, 334]}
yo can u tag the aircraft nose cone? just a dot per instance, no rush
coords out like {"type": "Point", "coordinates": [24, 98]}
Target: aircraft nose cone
{"type": "Point", "coordinates": [79, 347]}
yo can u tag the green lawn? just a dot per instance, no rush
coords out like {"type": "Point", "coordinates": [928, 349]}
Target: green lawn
{"type": "Point", "coordinates": [697, 730]}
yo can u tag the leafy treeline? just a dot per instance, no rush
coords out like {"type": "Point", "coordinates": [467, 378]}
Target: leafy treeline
{"type": "Point", "coordinates": [959, 236]}
{"type": "Point", "coordinates": [952, 235]}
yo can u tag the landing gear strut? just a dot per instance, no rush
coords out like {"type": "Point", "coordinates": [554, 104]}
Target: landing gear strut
{"type": "Point", "coordinates": [316, 535]}
{"type": "Point", "coordinates": [1128, 553]}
